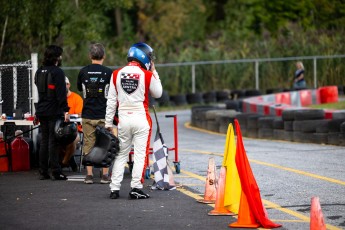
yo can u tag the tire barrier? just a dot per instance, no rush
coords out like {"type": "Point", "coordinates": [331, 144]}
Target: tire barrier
{"type": "Point", "coordinates": [274, 90]}
{"type": "Point", "coordinates": [223, 95]}
{"type": "Point", "coordinates": [152, 101]}
{"type": "Point", "coordinates": [219, 119]}
{"type": "Point", "coordinates": [309, 114]}
{"type": "Point", "coordinates": [164, 100]}
{"type": "Point", "coordinates": [262, 117]}
{"type": "Point", "coordinates": [195, 98]}
{"type": "Point", "coordinates": [198, 116]}
{"type": "Point", "coordinates": [210, 97]}
{"type": "Point", "coordinates": [179, 99]}
{"type": "Point", "coordinates": [342, 134]}
{"type": "Point", "coordinates": [232, 104]}
{"type": "Point", "coordinates": [252, 92]}
{"type": "Point", "coordinates": [237, 94]}
{"type": "Point", "coordinates": [278, 123]}
{"type": "Point", "coordinates": [265, 127]}
{"type": "Point", "coordinates": [340, 90]}
{"type": "Point", "coordinates": [272, 103]}
{"type": "Point", "coordinates": [288, 125]}
{"type": "Point", "coordinates": [338, 114]}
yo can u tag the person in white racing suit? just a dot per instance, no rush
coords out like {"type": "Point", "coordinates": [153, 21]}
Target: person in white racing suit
{"type": "Point", "coordinates": [129, 91]}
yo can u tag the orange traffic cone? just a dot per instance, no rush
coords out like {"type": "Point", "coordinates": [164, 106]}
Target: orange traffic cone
{"type": "Point", "coordinates": [210, 185]}
{"type": "Point", "coordinates": [232, 191]}
{"type": "Point", "coordinates": [316, 217]}
{"type": "Point", "coordinates": [251, 212]}
{"type": "Point", "coordinates": [171, 177]}
{"type": "Point", "coordinates": [245, 216]}
{"type": "Point", "coordinates": [219, 209]}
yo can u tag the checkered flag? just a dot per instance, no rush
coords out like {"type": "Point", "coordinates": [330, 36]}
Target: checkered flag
{"type": "Point", "coordinates": [161, 169]}
{"type": "Point", "coordinates": [160, 165]}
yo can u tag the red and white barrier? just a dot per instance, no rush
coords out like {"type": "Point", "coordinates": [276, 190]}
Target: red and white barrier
{"type": "Point", "coordinates": [274, 104]}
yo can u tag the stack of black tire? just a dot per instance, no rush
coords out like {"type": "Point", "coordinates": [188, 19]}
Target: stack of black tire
{"type": "Point", "coordinates": [256, 125]}
{"type": "Point", "coordinates": [198, 116]}
{"type": "Point", "coordinates": [219, 120]}
{"type": "Point", "coordinates": [298, 125]}
{"type": "Point", "coordinates": [214, 118]}
{"type": "Point", "coordinates": [265, 127]}
{"type": "Point", "coordinates": [336, 129]}
{"type": "Point", "coordinates": [279, 133]}
{"type": "Point", "coordinates": [224, 119]}
{"type": "Point", "coordinates": [248, 128]}
{"type": "Point", "coordinates": [303, 124]}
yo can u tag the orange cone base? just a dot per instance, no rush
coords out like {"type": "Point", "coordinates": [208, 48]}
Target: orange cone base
{"type": "Point", "coordinates": [239, 225]}
{"type": "Point", "coordinates": [224, 212]}
{"type": "Point", "coordinates": [206, 201]}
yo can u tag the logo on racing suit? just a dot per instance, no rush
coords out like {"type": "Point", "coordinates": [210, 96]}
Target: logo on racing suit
{"type": "Point", "coordinates": [129, 82]}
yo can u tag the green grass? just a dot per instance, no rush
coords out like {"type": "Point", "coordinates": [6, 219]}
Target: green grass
{"type": "Point", "coordinates": [337, 106]}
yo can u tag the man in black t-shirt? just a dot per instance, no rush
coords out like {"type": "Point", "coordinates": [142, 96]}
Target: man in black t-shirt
{"type": "Point", "coordinates": [93, 82]}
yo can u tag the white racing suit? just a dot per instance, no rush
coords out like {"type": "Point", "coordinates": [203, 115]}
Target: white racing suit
{"type": "Point", "coordinates": [130, 87]}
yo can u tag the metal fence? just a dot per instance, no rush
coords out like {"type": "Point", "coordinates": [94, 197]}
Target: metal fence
{"type": "Point", "coordinates": [15, 87]}
{"type": "Point", "coordinates": [184, 77]}
{"type": "Point", "coordinates": [254, 67]}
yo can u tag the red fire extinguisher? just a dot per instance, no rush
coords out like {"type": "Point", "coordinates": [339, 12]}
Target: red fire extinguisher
{"type": "Point", "coordinates": [3, 155]}
{"type": "Point", "coordinates": [20, 153]}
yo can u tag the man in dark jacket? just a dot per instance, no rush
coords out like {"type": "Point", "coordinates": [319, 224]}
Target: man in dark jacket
{"type": "Point", "coordinates": [52, 105]}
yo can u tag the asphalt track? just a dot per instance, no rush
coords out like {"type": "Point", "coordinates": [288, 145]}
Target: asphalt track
{"type": "Point", "coordinates": [288, 175]}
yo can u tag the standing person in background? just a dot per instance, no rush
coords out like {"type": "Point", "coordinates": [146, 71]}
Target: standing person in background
{"type": "Point", "coordinates": [93, 81]}
{"type": "Point", "coordinates": [129, 91]}
{"type": "Point", "coordinates": [51, 106]}
{"type": "Point", "coordinates": [75, 104]}
{"type": "Point", "coordinates": [299, 81]}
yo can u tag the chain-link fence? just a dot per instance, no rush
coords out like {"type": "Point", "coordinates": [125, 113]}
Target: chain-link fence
{"type": "Point", "coordinates": [15, 88]}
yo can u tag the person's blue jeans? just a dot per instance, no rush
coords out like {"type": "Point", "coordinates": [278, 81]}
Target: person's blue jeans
{"type": "Point", "coordinates": [300, 85]}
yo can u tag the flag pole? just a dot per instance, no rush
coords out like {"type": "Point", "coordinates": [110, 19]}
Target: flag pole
{"type": "Point", "coordinates": [154, 111]}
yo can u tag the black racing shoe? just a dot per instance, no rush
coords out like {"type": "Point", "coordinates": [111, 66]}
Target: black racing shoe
{"type": "Point", "coordinates": [44, 176]}
{"type": "Point", "coordinates": [58, 176]}
{"type": "Point", "coordinates": [136, 193]}
{"type": "Point", "coordinates": [114, 194]}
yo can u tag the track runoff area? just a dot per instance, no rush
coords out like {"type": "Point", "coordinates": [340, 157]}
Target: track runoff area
{"type": "Point", "coordinates": [288, 174]}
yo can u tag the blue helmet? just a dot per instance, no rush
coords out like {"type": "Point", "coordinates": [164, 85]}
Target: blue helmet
{"type": "Point", "coordinates": [142, 53]}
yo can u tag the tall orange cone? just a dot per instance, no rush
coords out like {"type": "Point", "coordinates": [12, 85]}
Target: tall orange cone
{"type": "Point", "coordinates": [245, 215]}
{"type": "Point", "coordinates": [316, 217]}
{"type": "Point", "coordinates": [232, 193]}
{"type": "Point", "coordinates": [210, 185]}
{"type": "Point", "coordinates": [219, 209]}
{"type": "Point", "coordinates": [252, 204]}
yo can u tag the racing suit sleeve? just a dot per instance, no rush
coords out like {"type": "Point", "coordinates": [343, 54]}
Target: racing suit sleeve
{"type": "Point", "coordinates": [156, 88]}
{"type": "Point", "coordinates": [111, 104]}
